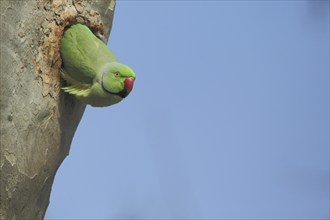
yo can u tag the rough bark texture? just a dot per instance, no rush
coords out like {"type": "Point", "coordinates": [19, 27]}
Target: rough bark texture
{"type": "Point", "coordinates": [38, 120]}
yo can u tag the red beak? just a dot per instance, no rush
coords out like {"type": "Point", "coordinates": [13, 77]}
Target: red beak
{"type": "Point", "coordinates": [129, 82]}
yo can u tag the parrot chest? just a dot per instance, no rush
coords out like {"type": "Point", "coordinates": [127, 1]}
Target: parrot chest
{"type": "Point", "coordinates": [97, 97]}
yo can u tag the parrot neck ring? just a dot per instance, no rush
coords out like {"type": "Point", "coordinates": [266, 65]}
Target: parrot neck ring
{"type": "Point", "coordinates": [123, 93]}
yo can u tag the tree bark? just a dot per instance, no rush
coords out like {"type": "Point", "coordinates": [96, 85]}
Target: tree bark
{"type": "Point", "coordinates": [37, 119]}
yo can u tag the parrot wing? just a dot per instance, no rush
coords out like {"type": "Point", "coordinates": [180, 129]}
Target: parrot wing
{"type": "Point", "coordinates": [75, 88]}
{"type": "Point", "coordinates": [84, 54]}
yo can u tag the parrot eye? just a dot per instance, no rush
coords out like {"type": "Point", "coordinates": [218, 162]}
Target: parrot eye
{"type": "Point", "coordinates": [117, 74]}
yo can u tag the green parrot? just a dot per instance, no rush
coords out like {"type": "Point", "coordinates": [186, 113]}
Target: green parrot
{"type": "Point", "coordinates": [92, 71]}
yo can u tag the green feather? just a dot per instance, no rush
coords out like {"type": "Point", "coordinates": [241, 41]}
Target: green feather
{"type": "Point", "coordinates": [76, 88]}
{"type": "Point", "coordinates": [84, 55]}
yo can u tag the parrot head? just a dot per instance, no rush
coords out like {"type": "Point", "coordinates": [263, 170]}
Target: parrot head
{"type": "Point", "coordinates": [118, 79]}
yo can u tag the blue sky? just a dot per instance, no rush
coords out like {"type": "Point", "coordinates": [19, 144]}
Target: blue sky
{"type": "Point", "coordinates": [229, 116]}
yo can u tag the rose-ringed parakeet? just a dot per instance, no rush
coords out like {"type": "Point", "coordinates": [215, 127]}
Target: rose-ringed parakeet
{"type": "Point", "coordinates": [91, 70]}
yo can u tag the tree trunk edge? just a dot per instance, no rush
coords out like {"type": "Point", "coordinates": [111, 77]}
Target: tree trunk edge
{"type": "Point", "coordinates": [37, 119]}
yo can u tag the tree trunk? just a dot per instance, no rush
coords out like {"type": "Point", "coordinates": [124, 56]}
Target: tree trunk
{"type": "Point", "coordinates": [38, 120]}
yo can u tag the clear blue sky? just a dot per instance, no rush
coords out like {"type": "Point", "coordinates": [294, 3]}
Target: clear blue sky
{"type": "Point", "coordinates": [229, 116]}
